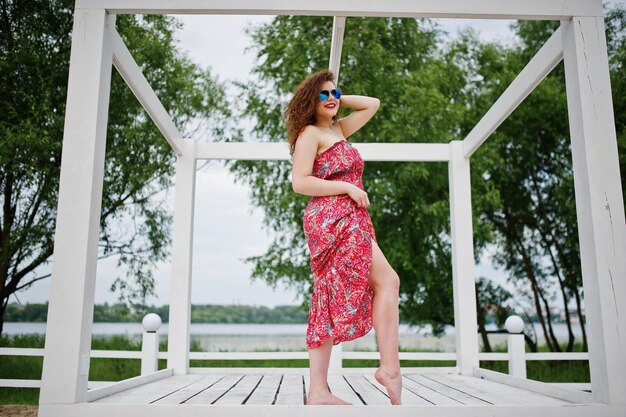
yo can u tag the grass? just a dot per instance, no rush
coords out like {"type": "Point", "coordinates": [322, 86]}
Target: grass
{"type": "Point", "coordinates": [111, 369]}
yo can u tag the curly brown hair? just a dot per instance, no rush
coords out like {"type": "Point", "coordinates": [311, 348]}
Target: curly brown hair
{"type": "Point", "coordinates": [300, 111]}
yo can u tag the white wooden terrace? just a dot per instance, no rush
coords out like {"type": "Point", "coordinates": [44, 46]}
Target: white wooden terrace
{"type": "Point", "coordinates": [466, 389]}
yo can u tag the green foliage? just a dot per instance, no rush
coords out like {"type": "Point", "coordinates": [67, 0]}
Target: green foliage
{"type": "Point", "coordinates": [433, 90]}
{"type": "Point", "coordinates": [528, 163]}
{"type": "Point", "coordinates": [399, 61]}
{"type": "Point", "coordinates": [121, 313]}
{"type": "Point", "coordinates": [616, 41]}
{"type": "Point", "coordinates": [35, 41]}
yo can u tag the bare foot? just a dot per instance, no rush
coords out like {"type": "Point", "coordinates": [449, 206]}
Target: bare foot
{"type": "Point", "coordinates": [325, 399]}
{"type": "Point", "coordinates": [392, 380]}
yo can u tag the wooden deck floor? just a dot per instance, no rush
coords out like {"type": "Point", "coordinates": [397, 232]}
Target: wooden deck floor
{"type": "Point", "coordinates": [282, 392]}
{"type": "Point", "coordinates": [255, 387]}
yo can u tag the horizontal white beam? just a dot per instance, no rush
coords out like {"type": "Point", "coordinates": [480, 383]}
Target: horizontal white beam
{"type": "Point", "coordinates": [131, 73]}
{"type": "Point", "coordinates": [557, 356]}
{"type": "Point", "coordinates": [405, 356]}
{"type": "Point", "coordinates": [36, 383]}
{"type": "Point", "coordinates": [550, 54]}
{"type": "Point", "coordinates": [476, 9]}
{"type": "Point", "coordinates": [425, 152]}
{"type": "Point", "coordinates": [543, 388]}
{"type": "Point", "coordinates": [20, 383]}
{"type": "Point", "coordinates": [452, 410]}
{"type": "Point", "coordinates": [126, 384]}
{"type": "Point", "coordinates": [211, 370]}
{"type": "Point", "coordinates": [580, 386]}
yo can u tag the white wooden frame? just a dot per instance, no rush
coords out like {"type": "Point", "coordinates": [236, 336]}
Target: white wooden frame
{"type": "Point", "coordinates": [96, 46]}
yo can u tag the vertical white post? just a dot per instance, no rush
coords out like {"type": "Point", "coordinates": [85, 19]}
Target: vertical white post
{"type": "Point", "coordinates": [517, 355]}
{"type": "Point", "coordinates": [599, 203]}
{"type": "Point", "coordinates": [182, 241]}
{"type": "Point", "coordinates": [70, 310]}
{"type": "Point", "coordinates": [336, 356]}
{"type": "Point", "coordinates": [149, 352]}
{"type": "Point", "coordinates": [336, 44]}
{"type": "Point", "coordinates": [464, 287]}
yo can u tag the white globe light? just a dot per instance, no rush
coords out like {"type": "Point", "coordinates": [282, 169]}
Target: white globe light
{"type": "Point", "coordinates": [514, 324]}
{"type": "Point", "coordinates": [151, 322]}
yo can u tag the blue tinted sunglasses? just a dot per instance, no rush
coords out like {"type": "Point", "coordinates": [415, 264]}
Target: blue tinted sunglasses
{"type": "Point", "coordinates": [324, 94]}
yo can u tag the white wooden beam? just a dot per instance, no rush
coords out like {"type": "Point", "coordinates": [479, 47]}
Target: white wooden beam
{"type": "Point", "coordinates": [535, 71]}
{"type": "Point", "coordinates": [178, 336]}
{"type": "Point", "coordinates": [70, 310]}
{"type": "Point", "coordinates": [426, 152]}
{"type": "Point", "coordinates": [126, 384]}
{"type": "Point", "coordinates": [463, 280]}
{"type": "Point", "coordinates": [336, 43]}
{"type": "Point", "coordinates": [131, 73]}
{"type": "Point", "coordinates": [476, 9]}
{"type": "Point", "coordinates": [554, 391]}
{"type": "Point", "coordinates": [599, 204]}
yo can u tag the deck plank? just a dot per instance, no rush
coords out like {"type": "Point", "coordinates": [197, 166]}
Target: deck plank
{"type": "Point", "coordinates": [255, 387]}
{"type": "Point", "coordinates": [448, 391]}
{"type": "Point", "coordinates": [339, 387]}
{"type": "Point", "coordinates": [291, 390]}
{"type": "Point", "coordinates": [368, 392]}
{"type": "Point", "coordinates": [241, 391]}
{"type": "Point", "coordinates": [189, 391]}
{"type": "Point", "coordinates": [145, 394]}
{"type": "Point", "coordinates": [215, 391]}
{"type": "Point", "coordinates": [497, 394]}
{"type": "Point", "coordinates": [265, 392]}
{"type": "Point", "coordinates": [306, 387]}
{"type": "Point", "coordinates": [427, 393]}
{"type": "Point", "coordinates": [408, 397]}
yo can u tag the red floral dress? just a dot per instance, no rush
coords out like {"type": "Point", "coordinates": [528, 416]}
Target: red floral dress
{"type": "Point", "coordinates": [338, 234]}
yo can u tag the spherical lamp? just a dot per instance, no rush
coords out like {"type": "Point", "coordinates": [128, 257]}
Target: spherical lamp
{"type": "Point", "coordinates": [151, 322]}
{"type": "Point", "coordinates": [514, 324]}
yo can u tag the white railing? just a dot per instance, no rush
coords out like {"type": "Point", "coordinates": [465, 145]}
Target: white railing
{"type": "Point", "coordinates": [149, 355]}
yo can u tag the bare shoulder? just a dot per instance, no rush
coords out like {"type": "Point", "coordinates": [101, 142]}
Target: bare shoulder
{"type": "Point", "coordinates": [310, 131]}
{"type": "Point", "coordinates": [310, 136]}
{"type": "Point", "coordinates": [308, 141]}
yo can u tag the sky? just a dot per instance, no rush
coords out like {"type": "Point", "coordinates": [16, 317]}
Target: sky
{"type": "Point", "coordinates": [227, 228]}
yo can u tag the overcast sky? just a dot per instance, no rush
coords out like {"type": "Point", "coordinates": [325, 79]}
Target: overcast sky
{"type": "Point", "coordinates": [226, 227]}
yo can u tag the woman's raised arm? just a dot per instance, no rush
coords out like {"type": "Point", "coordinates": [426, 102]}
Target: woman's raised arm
{"type": "Point", "coordinates": [365, 107]}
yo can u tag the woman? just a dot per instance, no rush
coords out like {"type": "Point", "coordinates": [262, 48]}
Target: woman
{"type": "Point", "coordinates": [354, 287]}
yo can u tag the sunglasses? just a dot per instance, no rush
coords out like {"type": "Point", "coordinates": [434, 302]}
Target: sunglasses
{"type": "Point", "coordinates": [325, 94]}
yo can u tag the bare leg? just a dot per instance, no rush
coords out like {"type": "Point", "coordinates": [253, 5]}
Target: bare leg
{"type": "Point", "coordinates": [318, 385]}
{"type": "Point", "coordinates": [385, 283]}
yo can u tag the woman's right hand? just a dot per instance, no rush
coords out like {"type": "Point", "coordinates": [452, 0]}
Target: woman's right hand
{"type": "Point", "coordinates": [358, 195]}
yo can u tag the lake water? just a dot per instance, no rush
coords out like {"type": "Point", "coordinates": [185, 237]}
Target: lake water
{"type": "Point", "coordinates": [253, 337]}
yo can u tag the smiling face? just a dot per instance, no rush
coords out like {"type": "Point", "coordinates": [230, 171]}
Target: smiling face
{"type": "Point", "coordinates": [328, 108]}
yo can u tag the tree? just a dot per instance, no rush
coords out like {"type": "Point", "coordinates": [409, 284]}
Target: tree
{"type": "Point", "coordinates": [432, 90]}
{"type": "Point", "coordinates": [399, 61]}
{"type": "Point", "coordinates": [528, 161]}
{"type": "Point", "coordinates": [35, 40]}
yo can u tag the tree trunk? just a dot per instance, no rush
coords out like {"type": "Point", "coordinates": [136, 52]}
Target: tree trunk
{"type": "Point", "coordinates": [3, 308]}
{"type": "Point", "coordinates": [548, 243]}
{"type": "Point", "coordinates": [581, 319]}
{"type": "Point", "coordinates": [555, 342]}
{"type": "Point", "coordinates": [530, 272]}
{"type": "Point", "coordinates": [480, 314]}
{"type": "Point", "coordinates": [532, 346]}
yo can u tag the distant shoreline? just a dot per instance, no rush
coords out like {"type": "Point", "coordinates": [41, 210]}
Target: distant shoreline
{"type": "Point", "coordinates": [284, 337]}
